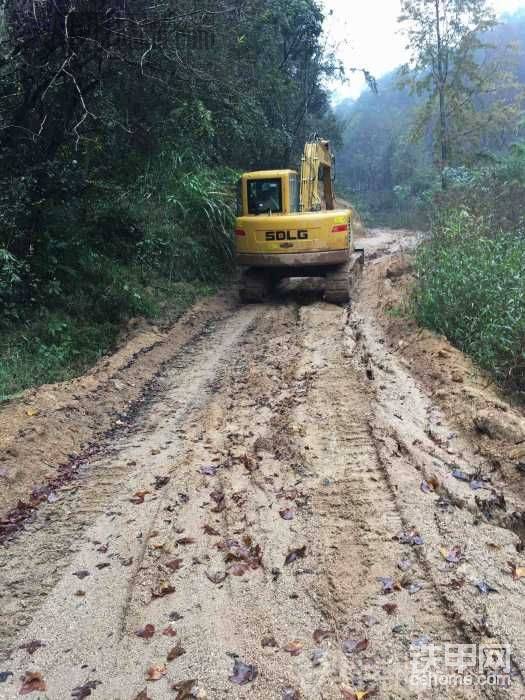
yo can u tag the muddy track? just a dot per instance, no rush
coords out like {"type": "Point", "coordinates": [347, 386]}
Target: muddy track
{"type": "Point", "coordinates": [283, 429]}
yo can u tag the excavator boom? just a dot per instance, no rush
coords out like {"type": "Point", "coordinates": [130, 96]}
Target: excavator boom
{"type": "Point", "coordinates": [317, 162]}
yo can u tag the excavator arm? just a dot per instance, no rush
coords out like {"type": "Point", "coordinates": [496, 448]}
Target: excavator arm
{"type": "Point", "coordinates": [317, 155]}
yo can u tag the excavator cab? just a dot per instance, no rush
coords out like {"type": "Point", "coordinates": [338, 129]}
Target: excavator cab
{"type": "Point", "coordinates": [288, 226]}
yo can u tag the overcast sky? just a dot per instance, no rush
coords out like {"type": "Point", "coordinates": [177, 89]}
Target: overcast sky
{"type": "Point", "coordinates": [366, 34]}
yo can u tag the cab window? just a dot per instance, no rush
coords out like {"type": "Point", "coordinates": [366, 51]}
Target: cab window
{"type": "Point", "coordinates": [265, 196]}
{"type": "Point", "coordinates": [294, 193]}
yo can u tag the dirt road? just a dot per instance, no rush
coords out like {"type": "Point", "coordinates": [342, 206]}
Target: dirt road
{"type": "Point", "coordinates": [283, 501]}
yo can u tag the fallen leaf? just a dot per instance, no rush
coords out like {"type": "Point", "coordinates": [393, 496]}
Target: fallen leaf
{"type": "Point", "coordinates": [186, 540]}
{"type": "Point", "coordinates": [269, 642]}
{"type": "Point", "coordinates": [318, 656]}
{"type": "Point", "coordinates": [390, 608]}
{"type": "Point", "coordinates": [218, 577]}
{"type": "Point", "coordinates": [175, 652]}
{"type": "Point", "coordinates": [169, 631]}
{"type": "Point", "coordinates": [517, 571]}
{"type": "Point", "coordinates": [143, 695]}
{"type": "Point", "coordinates": [287, 514]}
{"type": "Point", "coordinates": [239, 568]}
{"type": "Point", "coordinates": [220, 500]}
{"type": "Point", "coordinates": [31, 682]}
{"type": "Point", "coordinates": [351, 646]}
{"type": "Point", "coordinates": [430, 485]}
{"type": "Point", "coordinates": [208, 470]}
{"type": "Point", "coordinates": [290, 694]}
{"type": "Point", "coordinates": [185, 689]}
{"type": "Point", "coordinates": [32, 412]}
{"type": "Point", "coordinates": [404, 564]}
{"type": "Point", "coordinates": [453, 556]}
{"type": "Point", "coordinates": [81, 574]}
{"type": "Point", "coordinates": [103, 565]}
{"type": "Point", "coordinates": [84, 691]}
{"type": "Point", "coordinates": [164, 588]}
{"type": "Point", "coordinates": [242, 673]}
{"type": "Point", "coordinates": [485, 588]}
{"type": "Point", "coordinates": [457, 583]}
{"type": "Point", "coordinates": [161, 481]}
{"type": "Point", "coordinates": [4, 675]}
{"type": "Point", "coordinates": [321, 634]}
{"type": "Point", "coordinates": [294, 648]}
{"type": "Point", "coordinates": [388, 584]}
{"type": "Point", "coordinates": [174, 564]}
{"type": "Point", "coordinates": [155, 673]}
{"type": "Point", "coordinates": [138, 497]}
{"type": "Point", "coordinates": [411, 537]}
{"type": "Point", "coordinates": [349, 694]}
{"type": "Point", "coordinates": [250, 463]}
{"type": "Point", "coordinates": [80, 594]}
{"type": "Point", "coordinates": [295, 554]}
{"type": "Point", "coordinates": [147, 632]}
{"type": "Point", "coordinates": [32, 646]}
{"type": "Point", "coordinates": [209, 530]}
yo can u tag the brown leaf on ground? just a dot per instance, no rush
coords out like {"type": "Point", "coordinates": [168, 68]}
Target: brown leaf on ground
{"type": "Point", "coordinates": [84, 691]}
{"type": "Point", "coordinates": [161, 481]}
{"type": "Point", "coordinates": [147, 632]}
{"type": "Point", "coordinates": [164, 588]}
{"type": "Point", "coordinates": [390, 608]}
{"type": "Point", "coordinates": [517, 571]}
{"type": "Point", "coordinates": [452, 556]}
{"type": "Point", "coordinates": [186, 540]}
{"type": "Point", "coordinates": [32, 646]}
{"type": "Point", "coordinates": [220, 499]}
{"type": "Point", "coordinates": [155, 672]}
{"type": "Point", "coordinates": [185, 689]}
{"type": "Point", "coordinates": [321, 634]}
{"type": "Point", "coordinates": [250, 464]}
{"type": "Point", "coordinates": [176, 651]}
{"type": "Point", "coordinates": [174, 564]}
{"type": "Point", "coordinates": [430, 485]}
{"type": "Point", "coordinates": [269, 642]}
{"type": "Point", "coordinates": [244, 555]}
{"type": "Point", "coordinates": [209, 530]}
{"type": "Point", "coordinates": [287, 513]}
{"type": "Point", "coordinates": [294, 648]}
{"type": "Point", "coordinates": [138, 497]}
{"type": "Point", "coordinates": [295, 554]}
{"type": "Point", "coordinates": [218, 577]}
{"type": "Point", "coordinates": [350, 646]}
{"type": "Point", "coordinates": [32, 681]}
{"type": "Point", "coordinates": [81, 574]}
{"type": "Point", "coordinates": [243, 673]}
{"type": "Point", "coordinates": [349, 694]}
{"type": "Point", "coordinates": [169, 631]}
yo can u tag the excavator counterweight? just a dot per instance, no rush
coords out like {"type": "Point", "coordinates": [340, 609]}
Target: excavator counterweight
{"type": "Point", "coordinates": [289, 227]}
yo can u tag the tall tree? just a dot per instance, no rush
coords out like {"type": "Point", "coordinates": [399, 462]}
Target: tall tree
{"type": "Point", "coordinates": [446, 46]}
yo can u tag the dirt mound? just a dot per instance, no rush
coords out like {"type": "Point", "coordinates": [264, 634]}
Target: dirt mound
{"type": "Point", "coordinates": [467, 394]}
{"type": "Point", "coordinates": [44, 433]}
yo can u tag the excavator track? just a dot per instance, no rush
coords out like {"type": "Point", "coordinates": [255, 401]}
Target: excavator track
{"type": "Point", "coordinates": [341, 282]}
{"type": "Point", "coordinates": [254, 286]}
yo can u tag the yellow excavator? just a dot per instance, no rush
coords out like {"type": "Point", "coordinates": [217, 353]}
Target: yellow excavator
{"type": "Point", "coordinates": [289, 227]}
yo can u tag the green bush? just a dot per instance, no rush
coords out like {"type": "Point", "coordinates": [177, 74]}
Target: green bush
{"type": "Point", "coordinates": [471, 288]}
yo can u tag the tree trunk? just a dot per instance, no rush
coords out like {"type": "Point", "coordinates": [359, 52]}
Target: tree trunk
{"type": "Point", "coordinates": [442, 78]}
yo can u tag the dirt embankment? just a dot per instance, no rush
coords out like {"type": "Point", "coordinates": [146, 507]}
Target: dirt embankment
{"type": "Point", "coordinates": [289, 513]}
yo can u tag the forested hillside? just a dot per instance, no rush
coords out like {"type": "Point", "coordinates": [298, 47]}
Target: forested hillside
{"type": "Point", "coordinates": [387, 163]}
{"type": "Point", "coordinates": [122, 125]}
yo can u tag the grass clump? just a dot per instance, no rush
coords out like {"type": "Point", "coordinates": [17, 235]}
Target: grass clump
{"type": "Point", "coordinates": [471, 288]}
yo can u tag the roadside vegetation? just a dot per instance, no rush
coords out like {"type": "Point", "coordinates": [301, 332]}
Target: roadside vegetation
{"type": "Point", "coordinates": [123, 127]}
{"type": "Point", "coordinates": [449, 158]}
